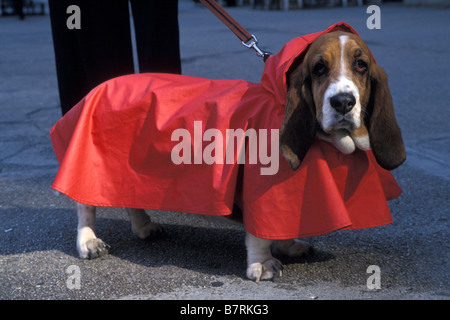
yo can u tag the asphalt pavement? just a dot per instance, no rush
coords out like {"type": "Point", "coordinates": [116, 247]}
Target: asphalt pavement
{"type": "Point", "coordinates": [199, 259]}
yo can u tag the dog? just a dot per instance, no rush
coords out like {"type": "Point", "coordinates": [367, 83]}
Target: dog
{"type": "Point", "coordinates": [336, 93]}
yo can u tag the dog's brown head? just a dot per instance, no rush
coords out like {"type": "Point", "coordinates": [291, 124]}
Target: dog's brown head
{"type": "Point", "coordinates": [340, 94]}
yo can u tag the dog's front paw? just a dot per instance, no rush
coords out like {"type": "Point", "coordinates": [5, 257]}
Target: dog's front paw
{"type": "Point", "coordinates": [269, 269]}
{"type": "Point", "coordinates": [93, 249]}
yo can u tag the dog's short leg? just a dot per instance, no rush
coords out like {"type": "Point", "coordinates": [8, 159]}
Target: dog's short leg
{"type": "Point", "coordinates": [292, 248]}
{"type": "Point", "coordinates": [260, 262]}
{"type": "Point", "coordinates": [89, 247]}
{"type": "Point", "coordinates": [142, 226]}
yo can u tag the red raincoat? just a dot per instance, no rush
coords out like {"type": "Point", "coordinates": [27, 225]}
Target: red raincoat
{"type": "Point", "coordinates": [116, 147]}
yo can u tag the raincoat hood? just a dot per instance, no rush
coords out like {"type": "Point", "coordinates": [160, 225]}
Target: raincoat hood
{"type": "Point", "coordinates": [176, 143]}
{"type": "Point", "coordinates": [276, 67]}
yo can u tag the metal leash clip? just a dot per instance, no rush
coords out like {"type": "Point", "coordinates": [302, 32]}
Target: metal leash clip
{"type": "Point", "coordinates": [252, 44]}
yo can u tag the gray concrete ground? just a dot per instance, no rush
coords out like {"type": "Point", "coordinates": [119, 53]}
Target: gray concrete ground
{"type": "Point", "coordinates": [198, 259]}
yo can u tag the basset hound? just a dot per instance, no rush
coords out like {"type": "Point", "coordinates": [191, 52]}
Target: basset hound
{"type": "Point", "coordinates": [336, 92]}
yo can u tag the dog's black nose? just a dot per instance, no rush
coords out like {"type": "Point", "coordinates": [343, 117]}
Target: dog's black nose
{"type": "Point", "coordinates": [343, 102]}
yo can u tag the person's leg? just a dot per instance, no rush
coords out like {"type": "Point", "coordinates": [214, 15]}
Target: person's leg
{"type": "Point", "coordinates": [99, 51]}
{"type": "Point", "coordinates": [157, 35]}
{"type": "Point", "coordinates": [18, 9]}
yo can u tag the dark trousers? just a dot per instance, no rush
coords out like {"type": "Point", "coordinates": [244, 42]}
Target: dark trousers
{"type": "Point", "coordinates": [102, 49]}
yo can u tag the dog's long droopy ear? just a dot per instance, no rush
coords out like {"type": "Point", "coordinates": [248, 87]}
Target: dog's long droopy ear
{"type": "Point", "coordinates": [299, 125]}
{"type": "Point", "coordinates": [384, 133]}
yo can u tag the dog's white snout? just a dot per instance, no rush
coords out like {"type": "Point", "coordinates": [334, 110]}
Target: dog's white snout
{"type": "Point", "coordinates": [341, 107]}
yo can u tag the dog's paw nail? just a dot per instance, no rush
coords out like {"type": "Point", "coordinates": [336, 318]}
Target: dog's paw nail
{"type": "Point", "coordinates": [269, 269]}
{"type": "Point", "coordinates": [97, 248]}
{"type": "Point", "coordinates": [273, 269]}
{"type": "Point", "coordinates": [254, 271]}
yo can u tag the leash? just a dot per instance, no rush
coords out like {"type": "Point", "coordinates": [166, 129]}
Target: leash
{"type": "Point", "coordinates": [248, 40]}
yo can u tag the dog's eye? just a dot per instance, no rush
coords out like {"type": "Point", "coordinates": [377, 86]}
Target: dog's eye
{"type": "Point", "coordinates": [360, 66]}
{"type": "Point", "coordinates": [320, 69]}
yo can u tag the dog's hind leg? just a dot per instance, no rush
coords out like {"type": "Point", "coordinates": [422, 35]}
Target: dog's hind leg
{"type": "Point", "coordinates": [88, 245]}
{"type": "Point", "coordinates": [142, 226]}
{"type": "Point", "coordinates": [260, 262]}
{"type": "Point", "coordinates": [292, 248]}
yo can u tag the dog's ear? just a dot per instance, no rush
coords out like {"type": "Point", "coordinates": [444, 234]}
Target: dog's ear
{"type": "Point", "coordinates": [384, 133]}
{"type": "Point", "coordinates": [299, 125]}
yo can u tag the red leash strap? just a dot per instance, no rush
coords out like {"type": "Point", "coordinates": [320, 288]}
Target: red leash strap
{"type": "Point", "coordinates": [248, 40]}
{"type": "Point", "coordinates": [232, 24]}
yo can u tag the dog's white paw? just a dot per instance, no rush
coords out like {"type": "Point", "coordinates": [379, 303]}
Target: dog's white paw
{"type": "Point", "coordinates": [93, 249]}
{"type": "Point", "coordinates": [89, 246]}
{"type": "Point", "coordinates": [148, 231]}
{"type": "Point", "coordinates": [269, 269]}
